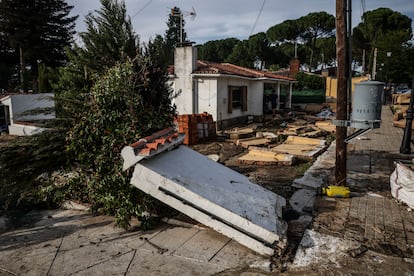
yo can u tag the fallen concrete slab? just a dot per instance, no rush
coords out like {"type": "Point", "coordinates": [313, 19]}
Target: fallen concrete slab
{"type": "Point", "coordinates": [308, 181]}
{"type": "Point", "coordinates": [215, 196]}
{"type": "Point", "coordinates": [302, 200]}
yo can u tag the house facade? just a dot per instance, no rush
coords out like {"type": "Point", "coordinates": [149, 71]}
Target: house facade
{"type": "Point", "coordinates": [230, 93]}
{"type": "Point", "coordinates": [25, 114]}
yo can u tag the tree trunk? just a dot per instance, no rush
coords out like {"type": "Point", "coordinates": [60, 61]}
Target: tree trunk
{"type": "Point", "coordinates": [23, 85]}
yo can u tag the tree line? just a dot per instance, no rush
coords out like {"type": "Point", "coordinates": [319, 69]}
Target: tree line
{"type": "Point", "coordinates": [311, 38]}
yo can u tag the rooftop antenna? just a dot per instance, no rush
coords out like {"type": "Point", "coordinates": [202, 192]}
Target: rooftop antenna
{"type": "Point", "coordinates": [179, 13]}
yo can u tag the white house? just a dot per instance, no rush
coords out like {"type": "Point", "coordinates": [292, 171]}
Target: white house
{"type": "Point", "coordinates": [228, 92]}
{"type": "Point", "coordinates": [25, 114]}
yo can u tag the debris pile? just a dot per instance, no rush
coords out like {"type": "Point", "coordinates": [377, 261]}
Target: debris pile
{"type": "Point", "coordinates": [298, 136]}
{"type": "Point", "coordinates": [400, 104]}
{"type": "Point", "coordinates": [402, 184]}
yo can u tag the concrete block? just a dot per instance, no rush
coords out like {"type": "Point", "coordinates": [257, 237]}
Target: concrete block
{"type": "Point", "coordinates": [303, 199]}
{"type": "Point", "coordinates": [308, 181]}
{"type": "Point", "coordinates": [215, 196]}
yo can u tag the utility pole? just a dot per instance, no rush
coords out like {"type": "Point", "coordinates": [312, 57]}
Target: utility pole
{"type": "Point", "coordinates": [342, 92]}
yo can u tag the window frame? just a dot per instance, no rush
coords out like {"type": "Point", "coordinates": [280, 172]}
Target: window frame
{"type": "Point", "coordinates": [233, 103]}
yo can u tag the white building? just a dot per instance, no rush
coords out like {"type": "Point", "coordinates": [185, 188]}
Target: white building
{"type": "Point", "coordinates": [228, 92]}
{"type": "Point", "coordinates": [25, 114]}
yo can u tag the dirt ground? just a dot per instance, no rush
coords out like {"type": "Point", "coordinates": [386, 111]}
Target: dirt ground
{"type": "Point", "coordinates": [278, 179]}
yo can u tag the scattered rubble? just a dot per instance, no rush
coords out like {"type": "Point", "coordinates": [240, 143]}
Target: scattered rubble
{"type": "Point", "coordinates": [400, 103]}
{"type": "Point", "coordinates": [321, 249]}
{"type": "Point", "coordinates": [302, 147]}
{"type": "Point", "coordinates": [264, 156]}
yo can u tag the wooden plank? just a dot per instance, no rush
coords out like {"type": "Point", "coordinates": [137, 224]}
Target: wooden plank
{"type": "Point", "coordinates": [402, 123]}
{"type": "Point", "coordinates": [240, 133]}
{"type": "Point", "coordinates": [326, 125]}
{"type": "Point", "coordinates": [301, 147]}
{"type": "Point", "coordinates": [266, 157]}
{"type": "Point", "coordinates": [253, 141]}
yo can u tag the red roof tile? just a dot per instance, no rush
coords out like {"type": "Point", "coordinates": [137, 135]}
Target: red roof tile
{"type": "Point", "coordinates": [205, 67]}
{"type": "Point", "coordinates": [158, 141]}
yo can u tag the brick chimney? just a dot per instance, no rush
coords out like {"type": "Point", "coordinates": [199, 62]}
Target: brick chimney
{"type": "Point", "coordinates": [294, 67]}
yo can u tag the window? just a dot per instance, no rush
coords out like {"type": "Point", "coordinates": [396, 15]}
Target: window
{"type": "Point", "coordinates": [237, 98]}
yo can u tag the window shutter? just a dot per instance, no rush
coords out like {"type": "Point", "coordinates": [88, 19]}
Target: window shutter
{"type": "Point", "coordinates": [229, 100]}
{"type": "Point", "coordinates": [244, 98]}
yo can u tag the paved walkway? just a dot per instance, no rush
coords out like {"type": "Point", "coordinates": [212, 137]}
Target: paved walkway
{"type": "Point", "coordinates": [372, 216]}
{"type": "Point", "coordinates": [67, 242]}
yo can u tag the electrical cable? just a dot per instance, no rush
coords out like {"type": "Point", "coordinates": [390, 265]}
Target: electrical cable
{"type": "Point", "coordinates": [257, 18]}
{"type": "Point", "coordinates": [363, 8]}
{"type": "Point", "coordinates": [140, 10]}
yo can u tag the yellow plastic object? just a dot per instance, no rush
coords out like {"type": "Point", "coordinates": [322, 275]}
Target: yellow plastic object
{"type": "Point", "coordinates": [336, 191]}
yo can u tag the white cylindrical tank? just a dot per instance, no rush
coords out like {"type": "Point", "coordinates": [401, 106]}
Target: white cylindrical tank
{"type": "Point", "coordinates": [367, 104]}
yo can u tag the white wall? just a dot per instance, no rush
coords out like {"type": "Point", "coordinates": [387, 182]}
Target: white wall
{"type": "Point", "coordinates": [254, 98]}
{"type": "Point", "coordinates": [184, 63]}
{"type": "Point", "coordinates": [207, 96]}
{"type": "Point", "coordinates": [19, 104]}
{"type": "Point", "coordinates": [24, 130]}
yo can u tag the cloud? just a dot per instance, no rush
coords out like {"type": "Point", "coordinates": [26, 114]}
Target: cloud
{"type": "Point", "coordinates": [220, 19]}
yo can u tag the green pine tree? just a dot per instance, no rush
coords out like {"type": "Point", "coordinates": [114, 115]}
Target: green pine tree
{"type": "Point", "coordinates": [37, 31]}
{"type": "Point", "coordinates": [109, 37]}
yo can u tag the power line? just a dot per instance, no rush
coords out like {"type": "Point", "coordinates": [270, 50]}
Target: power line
{"type": "Point", "coordinates": [257, 18]}
{"type": "Point", "coordinates": [140, 10]}
{"type": "Point", "coordinates": [363, 8]}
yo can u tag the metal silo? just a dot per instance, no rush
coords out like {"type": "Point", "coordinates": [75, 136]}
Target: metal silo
{"type": "Point", "coordinates": [367, 104]}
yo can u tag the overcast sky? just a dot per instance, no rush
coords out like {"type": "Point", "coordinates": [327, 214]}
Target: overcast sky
{"type": "Point", "coordinates": [220, 19]}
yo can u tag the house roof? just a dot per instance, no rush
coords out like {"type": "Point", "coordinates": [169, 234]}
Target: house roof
{"type": "Point", "coordinates": [206, 67]}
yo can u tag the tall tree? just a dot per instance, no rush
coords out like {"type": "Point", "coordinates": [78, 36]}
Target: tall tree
{"type": "Point", "coordinates": [326, 50]}
{"type": "Point", "coordinates": [38, 30]}
{"type": "Point", "coordinates": [109, 37]}
{"type": "Point", "coordinates": [241, 55]}
{"type": "Point", "coordinates": [316, 25]}
{"type": "Point", "coordinates": [384, 29]}
{"type": "Point", "coordinates": [217, 50]}
{"type": "Point", "coordinates": [126, 97]}
{"type": "Point", "coordinates": [162, 48]}
{"type": "Point", "coordinates": [259, 48]}
{"type": "Point", "coordinates": [305, 30]}
{"type": "Point", "coordinates": [175, 32]}
{"type": "Point", "coordinates": [287, 31]}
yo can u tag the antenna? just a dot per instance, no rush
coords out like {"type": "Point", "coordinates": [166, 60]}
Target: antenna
{"type": "Point", "coordinates": [192, 13]}
{"type": "Point", "coordinates": [179, 13]}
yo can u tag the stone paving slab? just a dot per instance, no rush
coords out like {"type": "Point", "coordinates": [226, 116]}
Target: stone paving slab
{"type": "Point", "coordinates": [372, 216]}
{"type": "Point", "coordinates": [63, 242]}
